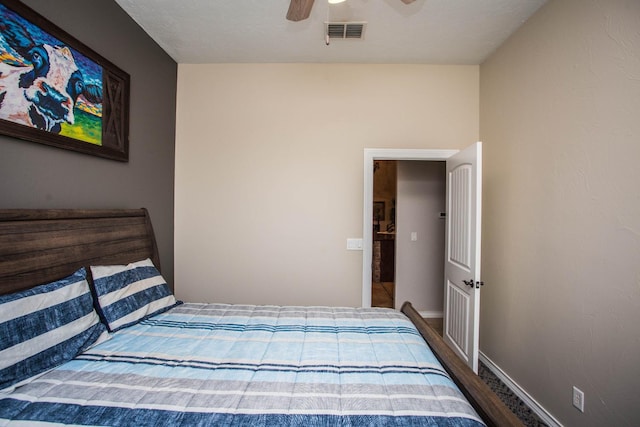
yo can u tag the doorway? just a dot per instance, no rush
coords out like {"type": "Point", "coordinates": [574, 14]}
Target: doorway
{"type": "Point", "coordinates": [408, 234]}
{"type": "Point", "coordinates": [370, 156]}
{"type": "Point", "coordinates": [462, 237]}
{"type": "Point", "coordinates": [384, 232]}
{"type": "Point", "coordinates": [420, 235]}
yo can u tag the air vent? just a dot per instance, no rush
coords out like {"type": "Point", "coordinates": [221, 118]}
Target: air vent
{"type": "Point", "coordinates": [345, 30]}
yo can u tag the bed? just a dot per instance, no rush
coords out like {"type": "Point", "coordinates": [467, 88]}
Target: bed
{"type": "Point", "coordinates": [158, 361]}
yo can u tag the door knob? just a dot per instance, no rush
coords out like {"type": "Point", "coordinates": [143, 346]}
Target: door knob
{"type": "Point", "coordinates": [472, 283]}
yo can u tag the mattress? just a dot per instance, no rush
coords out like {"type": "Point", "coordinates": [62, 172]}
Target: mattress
{"type": "Point", "coordinates": [219, 364]}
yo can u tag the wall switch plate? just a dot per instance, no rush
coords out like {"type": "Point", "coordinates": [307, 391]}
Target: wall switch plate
{"type": "Point", "coordinates": [354, 244]}
{"type": "Point", "coordinates": [414, 236]}
{"type": "Point", "coordinates": [578, 398]}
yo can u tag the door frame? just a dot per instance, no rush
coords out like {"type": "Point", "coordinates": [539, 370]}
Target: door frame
{"type": "Point", "coordinates": [370, 156]}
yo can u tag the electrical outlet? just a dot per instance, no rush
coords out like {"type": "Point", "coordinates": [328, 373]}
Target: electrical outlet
{"type": "Point", "coordinates": [578, 398]}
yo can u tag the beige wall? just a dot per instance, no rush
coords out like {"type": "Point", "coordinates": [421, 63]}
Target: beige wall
{"type": "Point", "coordinates": [560, 122]}
{"type": "Point", "coordinates": [420, 263]}
{"type": "Point", "coordinates": [269, 172]}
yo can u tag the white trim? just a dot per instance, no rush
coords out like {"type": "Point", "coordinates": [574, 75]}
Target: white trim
{"type": "Point", "coordinates": [538, 409]}
{"type": "Point", "coordinates": [432, 314]}
{"type": "Point", "coordinates": [370, 155]}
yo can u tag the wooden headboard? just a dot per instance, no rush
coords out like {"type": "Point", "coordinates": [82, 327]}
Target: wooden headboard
{"type": "Point", "coordinates": [41, 245]}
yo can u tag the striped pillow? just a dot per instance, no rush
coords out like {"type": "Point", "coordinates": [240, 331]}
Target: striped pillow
{"type": "Point", "coordinates": [45, 326]}
{"type": "Point", "coordinates": [129, 293]}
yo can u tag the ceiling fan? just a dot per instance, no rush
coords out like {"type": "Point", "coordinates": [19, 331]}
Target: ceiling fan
{"type": "Point", "coordinates": [300, 9]}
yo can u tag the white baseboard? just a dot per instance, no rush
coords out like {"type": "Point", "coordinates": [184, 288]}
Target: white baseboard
{"type": "Point", "coordinates": [545, 416]}
{"type": "Point", "coordinates": [431, 314]}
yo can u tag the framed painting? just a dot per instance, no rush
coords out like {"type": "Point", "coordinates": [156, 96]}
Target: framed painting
{"type": "Point", "coordinates": [378, 211]}
{"type": "Point", "coordinates": [55, 90]}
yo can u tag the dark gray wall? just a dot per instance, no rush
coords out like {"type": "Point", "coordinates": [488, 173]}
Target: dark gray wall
{"type": "Point", "coordinates": [38, 176]}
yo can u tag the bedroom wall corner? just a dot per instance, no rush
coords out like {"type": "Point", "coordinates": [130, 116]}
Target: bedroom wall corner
{"type": "Point", "coordinates": [561, 224]}
{"type": "Point", "coordinates": [37, 176]}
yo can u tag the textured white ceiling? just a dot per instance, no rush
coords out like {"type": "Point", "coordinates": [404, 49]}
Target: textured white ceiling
{"type": "Point", "coordinates": [254, 31]}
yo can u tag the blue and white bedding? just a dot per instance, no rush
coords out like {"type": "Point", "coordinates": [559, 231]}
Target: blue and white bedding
{"type": "Point", "coordinates": [220, 364]}
{"type": "Point", "coordinates": [46, 326]}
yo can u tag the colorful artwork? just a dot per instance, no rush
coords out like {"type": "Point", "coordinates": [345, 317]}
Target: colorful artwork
{"type": "Point", "coordinates": [46, 84]}
{"type": "Point", "coordinates": [57, 91]}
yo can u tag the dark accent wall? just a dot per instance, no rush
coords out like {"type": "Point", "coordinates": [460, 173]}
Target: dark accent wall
{"type": "Point", "coordinates": [38, 176]}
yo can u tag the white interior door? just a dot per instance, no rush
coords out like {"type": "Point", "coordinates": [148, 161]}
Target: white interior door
{"type": "Point", "coordinates": [462, 253]}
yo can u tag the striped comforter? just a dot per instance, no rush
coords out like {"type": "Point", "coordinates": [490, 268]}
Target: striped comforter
{"type": "Point", "coordinates": [242, 365]}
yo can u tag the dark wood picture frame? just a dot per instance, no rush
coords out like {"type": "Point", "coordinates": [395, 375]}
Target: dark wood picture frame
{"type": "Point", "coordinates": [114, 95]}
{"type": "Point", "coordinates": [379, 211]}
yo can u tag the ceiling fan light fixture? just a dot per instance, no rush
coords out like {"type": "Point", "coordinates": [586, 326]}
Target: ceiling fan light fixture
{"type": "Point", "coordinates": [335, 1]}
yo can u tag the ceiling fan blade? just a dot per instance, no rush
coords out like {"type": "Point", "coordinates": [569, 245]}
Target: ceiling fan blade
{"type": "Point", "coordinates": [408, 1]}
{"type": "Point", "coordinates": [299, 9]}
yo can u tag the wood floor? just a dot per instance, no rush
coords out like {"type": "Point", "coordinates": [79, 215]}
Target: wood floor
{"type": "Point", "coordinates": [435, 323]}
{"type": "Point", "coordinates": [382, 294]}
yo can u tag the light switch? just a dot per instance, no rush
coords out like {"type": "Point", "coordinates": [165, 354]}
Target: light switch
{"type": "Point", "coordinates": [354, 244]}
{"type": "Point", "coordinates": [414, 236]}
